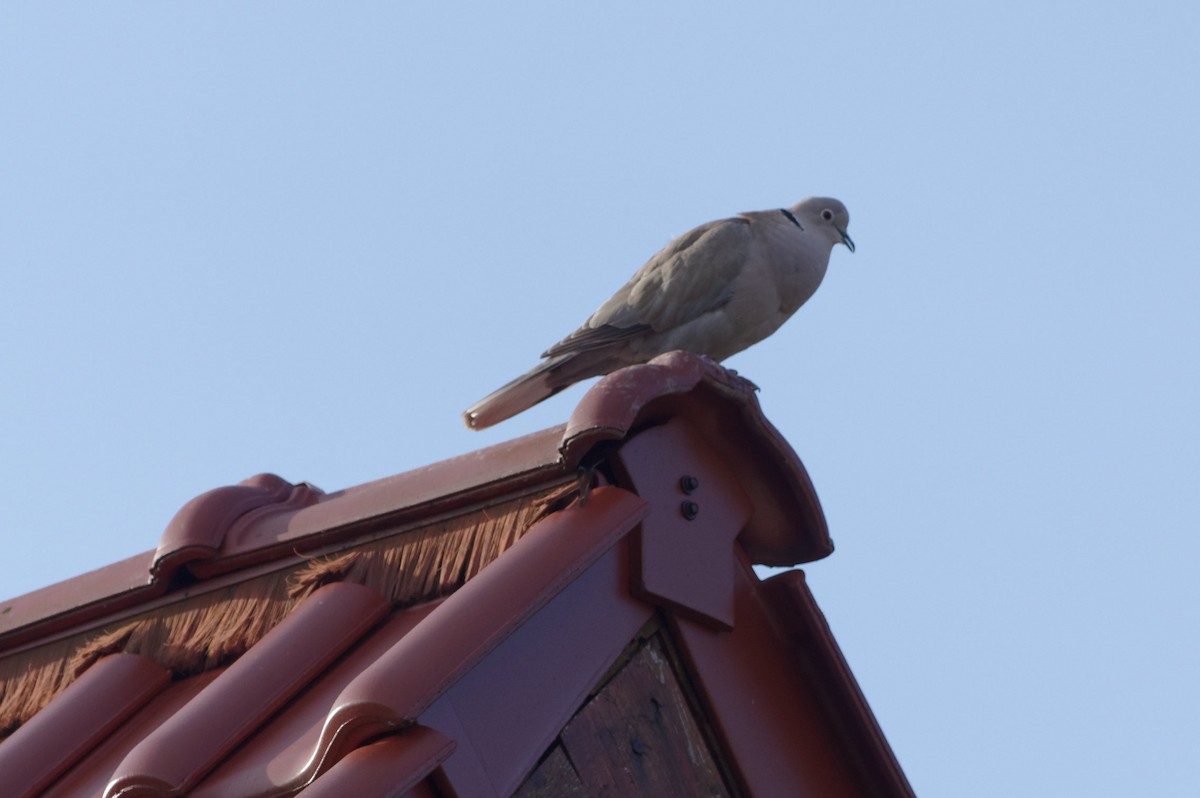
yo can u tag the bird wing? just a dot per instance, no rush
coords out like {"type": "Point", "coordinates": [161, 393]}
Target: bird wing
{"type": "Point", "coordinates": [691, 276]}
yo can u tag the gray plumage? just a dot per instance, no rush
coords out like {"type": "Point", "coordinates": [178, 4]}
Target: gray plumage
{"type": "Point", "coordinates": [715, 290]}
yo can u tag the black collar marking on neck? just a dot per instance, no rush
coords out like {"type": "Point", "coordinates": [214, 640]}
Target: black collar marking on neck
{"type": "Point", "coordinates": [790, 217]}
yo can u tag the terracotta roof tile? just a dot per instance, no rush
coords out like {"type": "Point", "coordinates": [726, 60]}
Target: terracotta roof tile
{"type": "Point", "coordinates": [292, 743]}
{"type": "Point", "coordinates": [265, 517]}
{"type": "Point", "coordinates": [212, 521]}
{"type": "Point", "coordinates": [76, 721]}
{"type": "Point", "coordinates": [397, 687]}
{"type": "Point", "coordinates": [440, 627]}
{"type": "Point", "coordinates": [389, 767]}
{"type": "Point", "coordinates": [172, 759]}
{"type": "Point", "coordinates": [91, 775]}
{"type": "Point", "coordinates": [788, 526]}
{"type": "Point", "coordinates": [698, 507]}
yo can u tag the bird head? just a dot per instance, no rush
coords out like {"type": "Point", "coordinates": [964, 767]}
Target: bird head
{"type": "Point", "coordinates": [825, 215]}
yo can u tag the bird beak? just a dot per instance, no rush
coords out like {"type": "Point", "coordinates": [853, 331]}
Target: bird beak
{"type": "Point", "coordinates": [846, 239]}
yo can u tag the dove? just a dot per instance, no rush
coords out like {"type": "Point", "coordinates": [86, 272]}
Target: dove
{"type": "Point", "coordinates": [714, 291]}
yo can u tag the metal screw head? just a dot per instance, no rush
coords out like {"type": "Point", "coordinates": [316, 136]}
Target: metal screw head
{"type": "Point", "coordinates": [690, 510]}
{"type": "Point", "coordinates": [689, 483]}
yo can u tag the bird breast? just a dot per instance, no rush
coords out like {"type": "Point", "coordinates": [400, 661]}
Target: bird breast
{"type": "Point", "coordinates": [799, 262]}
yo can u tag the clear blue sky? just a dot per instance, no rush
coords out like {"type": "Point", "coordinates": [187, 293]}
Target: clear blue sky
{"type": "Point", "coordinates": [301, 238]}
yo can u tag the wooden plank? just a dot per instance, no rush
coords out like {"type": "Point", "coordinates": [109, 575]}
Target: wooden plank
{"type": "Point", "coordinates": [638, 736]}
{"type": "Point", "coordinates": [555, 777]}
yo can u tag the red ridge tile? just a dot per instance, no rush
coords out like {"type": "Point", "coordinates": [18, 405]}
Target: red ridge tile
{"type": "Point", "coordinates": [200, 527]}
{"type": "Point", "coordinates": [460, 480]}
{"type": "Point", "coordinates": [788, 526]}
{"type": "Point", "coordinates": [803, 627]}
{"type": "Point", "coordinates": [615, 404]}
{"type": "Point", "coordinates": [686, 544]}
{"type": "Point", "coordinates": [50, 609]}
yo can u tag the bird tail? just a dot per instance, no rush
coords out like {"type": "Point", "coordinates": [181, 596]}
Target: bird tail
{"type": "Point", "coordinates": [535, 385]}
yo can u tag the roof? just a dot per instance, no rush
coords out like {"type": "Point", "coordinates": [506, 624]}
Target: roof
{"type": "Point", "coordinates": [280, 638]}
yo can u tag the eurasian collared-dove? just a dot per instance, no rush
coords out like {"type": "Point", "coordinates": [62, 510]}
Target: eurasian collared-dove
{"type": "Point", "coordinates": [715, 290]}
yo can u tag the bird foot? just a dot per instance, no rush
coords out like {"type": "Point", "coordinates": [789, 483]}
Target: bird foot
{"type": "Point", "coordinates": [739, 381]}
{"type": "Point", "coordinates": [730, 376]}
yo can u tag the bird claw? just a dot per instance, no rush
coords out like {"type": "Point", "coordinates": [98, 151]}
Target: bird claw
{"type": "Point", "coordinates": [741, 382]}
{"type": "Point", "coordinates": [730, 376]}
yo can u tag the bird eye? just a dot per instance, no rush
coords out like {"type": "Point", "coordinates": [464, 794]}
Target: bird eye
{"type": "Point", "coordinates": [827, 215]}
